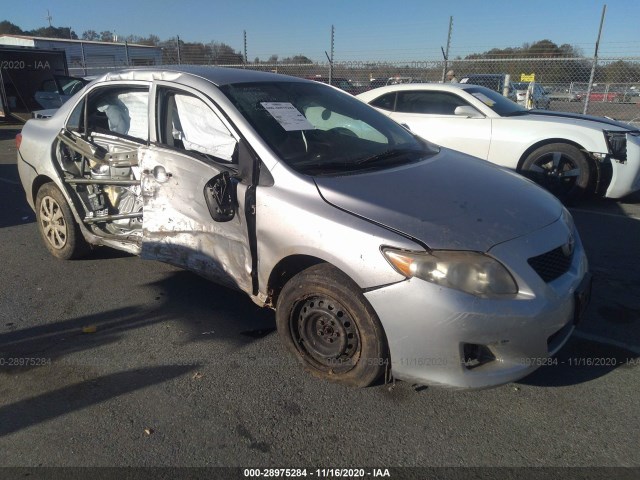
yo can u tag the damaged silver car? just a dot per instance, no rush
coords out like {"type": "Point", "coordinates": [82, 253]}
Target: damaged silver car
{"type": "Point", "coordinates": [380, 252]}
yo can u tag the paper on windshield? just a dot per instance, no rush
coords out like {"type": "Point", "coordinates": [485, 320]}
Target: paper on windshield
{"type": "Point", "coordinates": [287, 115]}
{"type": "Point", "coordinates": [484, 99]}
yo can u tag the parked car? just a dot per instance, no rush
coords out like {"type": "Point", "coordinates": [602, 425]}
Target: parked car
{"type": "Point", "coordinates": [58, 89]}
{"type": "Point", "coordinates": [538, 97]}
{"type": "Point", "coordinates": [569, 154]}
{"type": "Point", "coordinates": [605, 97]}
{"type": "Point", "coordinates": [563, 95]}
{"type": "Point", "coordinates": [398, 80]}
{"type": "Point", "coordinates": [492, 81]}
{"type": "Point", "coordinates": [379, 251]}
{"type": "Point", "coordinates": [342, 83]}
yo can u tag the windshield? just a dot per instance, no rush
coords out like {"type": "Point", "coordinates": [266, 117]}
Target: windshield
{"type": "Point", "coordinates": [520, 85]}
{"type": "Point", "coordinates": [496, 102]}
{"type": "Point", "coordinates": [317, 130]}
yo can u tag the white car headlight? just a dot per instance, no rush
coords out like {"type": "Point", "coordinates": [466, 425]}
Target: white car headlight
{"type": "Point", "coordinates": [471, 272]}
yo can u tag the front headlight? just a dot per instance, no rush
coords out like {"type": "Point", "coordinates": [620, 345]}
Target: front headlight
{"type": "Point", "coordinates": [617, 143]}
{"type": "Point", "coordinates": [471, 272]}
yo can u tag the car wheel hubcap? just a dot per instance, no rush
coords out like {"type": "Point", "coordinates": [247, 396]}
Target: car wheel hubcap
{"type": "Point", "coordinates": [556, 172]}
{"type": "Point", "coordinates": [325, 334]}
{"type": "Point", "coordinates": [52, 221]}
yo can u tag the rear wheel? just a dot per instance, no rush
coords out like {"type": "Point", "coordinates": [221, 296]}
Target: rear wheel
{"type": "Point", "coordinates": [326, 322]}
{"type": "Point", "coordinates": [59, 230]}
{"type": "Point", "coordinates": [560, 168]}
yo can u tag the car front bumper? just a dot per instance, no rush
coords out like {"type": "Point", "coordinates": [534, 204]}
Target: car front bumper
{"type": "Point", "coordinates": [625, 177]}
{"type": "Point", "coordinates": [432, 331]}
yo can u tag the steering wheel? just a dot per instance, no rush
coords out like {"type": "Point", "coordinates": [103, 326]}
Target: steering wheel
{"type": "Point", "coordinates": [342, 131]}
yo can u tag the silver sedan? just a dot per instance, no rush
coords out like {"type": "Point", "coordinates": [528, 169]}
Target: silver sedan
{"type": "Point", "coordinates": [380, 252]}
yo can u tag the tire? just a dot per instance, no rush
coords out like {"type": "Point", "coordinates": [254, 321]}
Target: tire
{"type": "Point", "coordinates": [560, 168]}
{"type": "Point", "coordinates": [328, 325]}
{"type": "Point", "coordinates": [59, 230]}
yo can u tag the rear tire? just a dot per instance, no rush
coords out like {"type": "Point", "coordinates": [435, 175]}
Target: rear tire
{"type": "Point", "coordinates": [60, 232]}
{"type": "Point", "coordinates": [328, 325]}
{"type": "Point", "coordinates": [562, 169]}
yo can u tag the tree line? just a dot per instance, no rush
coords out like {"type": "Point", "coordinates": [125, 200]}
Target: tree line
{"type": "Point", "coordinates": [562, 63]}
{"type": "Point", "coordinates": [174, 49]}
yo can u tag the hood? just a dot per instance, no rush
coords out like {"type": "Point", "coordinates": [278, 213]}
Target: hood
{"type": "Point", "coordinates": [449, 201]}
{"type": "Point", "coordinates": [578, 116]}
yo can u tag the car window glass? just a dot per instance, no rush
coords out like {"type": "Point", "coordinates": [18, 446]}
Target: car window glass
{"type": "Point", "coordinates": [75, 122]}
{"type": "Point", "coordinates": [190, 124]}
{"type": "Point", "coordinates": [49, 86]}
{"type": "Point", "coordinates": [315, 128]}
{"type": "Point", "coordinates": [70, 85]}
{"type": "Point", "coordinates": [431, 102]}
{"type": "Point", "coordinates": [119, 110]}
{"type": "Point", "coordinates": [386, 102]}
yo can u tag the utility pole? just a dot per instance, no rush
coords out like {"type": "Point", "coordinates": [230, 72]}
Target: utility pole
{"type": "Point", "coordinates": [178, 44]}
{"type": "Point", "coordinates": [48, 17]}
{"type": "Point", "coordinates": [245, 47]}
{"type": "Point", "coordinates": [333, 32]}
{"type": "Point", "coordinates": [595, 61]}
{"type": "Point", "coordinates": [445, 54]}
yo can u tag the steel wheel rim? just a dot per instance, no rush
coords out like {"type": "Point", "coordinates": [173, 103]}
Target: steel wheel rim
{"type": "Point", "coordinates": [325, 334]}
{"type": "Point", "coordinates": [52, 223]}
{"type": "Point", "coordinates": [555, 171]}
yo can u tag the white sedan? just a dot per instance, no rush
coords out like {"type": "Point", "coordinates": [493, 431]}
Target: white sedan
{"type": "Point", "coordinates": [569, 154]}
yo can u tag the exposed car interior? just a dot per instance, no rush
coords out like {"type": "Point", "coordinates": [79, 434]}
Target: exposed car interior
{"type": "Point", "coordinates": [98, 156]}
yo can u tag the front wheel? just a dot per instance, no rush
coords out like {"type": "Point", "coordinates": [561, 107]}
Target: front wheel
{"type": "Point", "coordinates": [56, 224]}
{"type": "Point", "coordinates": [325, 321]}
{"type": "Point", "coordinates": [560, 168]}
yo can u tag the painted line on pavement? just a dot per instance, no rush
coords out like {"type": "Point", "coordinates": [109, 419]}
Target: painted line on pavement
{"type": "Point", "coordinates": [606, 341]}
{"type": "Point", "coordinates": [10, 182]}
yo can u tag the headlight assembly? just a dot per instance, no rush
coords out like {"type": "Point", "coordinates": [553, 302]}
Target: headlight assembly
{"type": "Point", "coordinates": [617, 143]}
{"type": "Point", "coordinates": [470, 272]}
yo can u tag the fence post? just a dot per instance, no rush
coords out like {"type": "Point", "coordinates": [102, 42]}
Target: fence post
{"type": "Point", "coordinates": [245, 50]}
{"type": "Point", "coordinates": [84, 60]}
{"type": "Point", "coordinates": [595, 63]}
{"type": "Point", "coordinates": [445, 54]}
{"type": "Point", "coordinates": [505, 87]}
{"type": "Point", "coordinates": [331, 57]}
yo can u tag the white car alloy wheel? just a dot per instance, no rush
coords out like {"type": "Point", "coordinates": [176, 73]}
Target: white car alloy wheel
{"type": "Point", "coordinates": [58, 228]}
{"type": "Point", "coordinates": [54, 227]}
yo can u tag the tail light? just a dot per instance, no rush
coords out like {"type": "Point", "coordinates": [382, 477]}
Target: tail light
{"type": "Point", "coordinates": [18, 140]}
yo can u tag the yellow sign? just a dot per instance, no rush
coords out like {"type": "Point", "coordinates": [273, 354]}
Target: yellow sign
{"type": "Point", "coordinates": [528, 78]}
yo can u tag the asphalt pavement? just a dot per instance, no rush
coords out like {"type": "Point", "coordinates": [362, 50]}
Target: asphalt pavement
{"type": "Point", "coordinates": [137, 363]}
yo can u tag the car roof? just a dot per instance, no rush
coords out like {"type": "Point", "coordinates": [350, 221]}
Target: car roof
{"type": "Point", "coordinates": [216, 75]}
{"type": "Point", "coordinates": [447, 87]}
{"type": "Point", "coordinates": [485, 75]}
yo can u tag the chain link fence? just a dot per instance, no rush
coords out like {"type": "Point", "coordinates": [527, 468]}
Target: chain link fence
{"type": "Point", "coordinates": [615, 91]}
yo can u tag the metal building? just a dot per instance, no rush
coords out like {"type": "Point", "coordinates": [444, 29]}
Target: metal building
{"type": "Point", "coordinates": [88, 57]}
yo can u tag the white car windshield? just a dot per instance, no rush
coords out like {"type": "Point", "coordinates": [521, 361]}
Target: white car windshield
{"type": "Point", "coordinates": [318, 130]}
{"type": "Point", "coordinates": [496, 102]}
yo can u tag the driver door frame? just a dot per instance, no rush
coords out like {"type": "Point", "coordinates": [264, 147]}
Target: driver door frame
{"type": "Point", "coordinates": [178, 227]}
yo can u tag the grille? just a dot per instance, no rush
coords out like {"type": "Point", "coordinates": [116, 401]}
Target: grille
{"type": "Point", "coordinates": [551, 265]}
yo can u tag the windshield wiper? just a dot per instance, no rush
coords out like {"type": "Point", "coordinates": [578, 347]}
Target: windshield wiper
{"type": "Point", "coordinates": [387, 155]}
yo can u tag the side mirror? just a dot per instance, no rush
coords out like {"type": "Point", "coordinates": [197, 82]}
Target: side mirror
{"type": "Point", "coordinates": [220, 195]}
{"type": "Point", "coordinates": [468, 112]}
